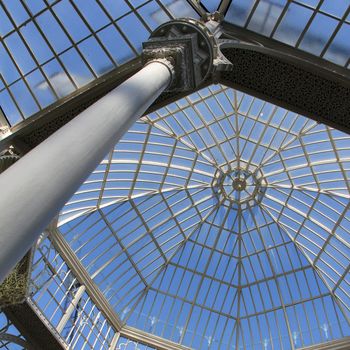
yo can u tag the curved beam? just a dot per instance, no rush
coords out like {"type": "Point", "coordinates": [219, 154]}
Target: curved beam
{"type": "Point", "coordinates": [15, 340]}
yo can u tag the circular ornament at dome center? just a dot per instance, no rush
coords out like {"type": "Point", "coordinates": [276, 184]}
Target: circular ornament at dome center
{"type": "Point", "coordinates": [239, 187]}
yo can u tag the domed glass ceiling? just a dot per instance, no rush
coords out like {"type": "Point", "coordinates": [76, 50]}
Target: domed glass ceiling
{"type": "Point", "coordinates": [221, 221]}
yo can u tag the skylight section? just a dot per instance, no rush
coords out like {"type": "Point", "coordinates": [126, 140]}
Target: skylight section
{"type": "Point", "coordinates": [221, 221]}
{"type": "Point", "coordinates": [55, 291]}
{"type": "Point", "coordinates": [49, 51]}
{"type": "Point", "coordinates": [321, 28]}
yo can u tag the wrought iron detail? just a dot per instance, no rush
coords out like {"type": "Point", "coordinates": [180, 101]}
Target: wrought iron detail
{"type": "Point", "coordinates": [291, 85]}
{"type": "Point", "coordinates": [194, 47]}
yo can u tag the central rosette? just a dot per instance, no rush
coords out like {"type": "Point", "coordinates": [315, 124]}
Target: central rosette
{"type": "Point", "coordinates": [239, 187]}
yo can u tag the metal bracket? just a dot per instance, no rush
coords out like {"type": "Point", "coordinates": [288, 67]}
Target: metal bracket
{"type": "Point", "coordinates": [189, 45]}
{"type": "Point", "coordinates": [193, 46]}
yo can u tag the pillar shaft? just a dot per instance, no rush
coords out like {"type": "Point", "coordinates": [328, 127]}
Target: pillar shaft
{"type": "Point", "coordinates": [34, 189]}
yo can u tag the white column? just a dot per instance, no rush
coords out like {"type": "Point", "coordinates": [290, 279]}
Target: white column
{"type": "Point", "coordinates": [34, 189]}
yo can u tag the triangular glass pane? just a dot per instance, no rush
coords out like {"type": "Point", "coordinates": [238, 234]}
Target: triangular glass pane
{"type": "Point", "coordinates": [318, 224]}
{"type": "Point", "coordinates": [197, 275]}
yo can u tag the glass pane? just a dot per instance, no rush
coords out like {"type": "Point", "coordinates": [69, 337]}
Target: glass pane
{"type": "Point", "coordinates": [211, 5]}
{"type": "Point", "coordinates": [312, 3]}
{"type": "Point", "coordinates": [8, 106]}
{"type": "Point", "coordinates": [239, 11]}
{"type": "Point", "coordinates": [92, 13]}
{"type": "Point", "coordinates": [339, 49]}
{"type": "Point", "coordinates": [36, 43]}
{"type": "Point", "coordinates": [76, 67]}
{"type": "Point", "coordinates": [23, 98]}
{"type": "Point", "coordinates": [134, 30]}
{"type": "Point", "coordinates": [95, 56]}
{"type": "Point", "coordinates": [121, 52]}
{"type": "Point", "coordinates": [335, 7]}
{"type": "Point", "coordinates": [292, 24]}
{"type": "Point", "coordinates": [115, 9]}
{"type": "Point", "coordinates": [41, 89]}
{"type": "Point", "coordinates": [58, 78]}
{"type": "Point", "coordinates": [72, 22]}
{"type": "Point", "coordinates": [266, 15]}
{"type": "Point", "coordinates": [153, 15]}
{"type": "Point", "coordinates": [7, 67]}
{"type": "Point", "coordinates": [20, 53]}
{"type": "Point", "coordinates": [35, 6]}
{"type": "Point", "coordinates": [318, 34]}
{"type": "Point", "coordinates": [180, 8]}
{"type": "Point", "coordinates": [17, 11]}
{"type": "Point", "coordinates": [5, 23]}
{"type": "Point", "coordinates": [53, 32]}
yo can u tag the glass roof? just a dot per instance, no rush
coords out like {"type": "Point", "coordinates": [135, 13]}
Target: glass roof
{"type": "Point", "coordinates": [221, 221]}
{"type": "Point", "coordinates": [320, 27]}
{"type": "Point", "coordinates": [126, 344]}
{"type": "Point", "coordinates": [54, 289]}
{"type": "Point", "coordinates": [49, 49]}
{"type": "Point", "coordinates": [210, 5]}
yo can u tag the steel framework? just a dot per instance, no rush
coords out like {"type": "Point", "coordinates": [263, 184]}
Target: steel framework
{"type": "Point", "coordinates": [223, 214]}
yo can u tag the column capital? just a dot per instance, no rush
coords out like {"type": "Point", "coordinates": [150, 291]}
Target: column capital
{"type": "Point", "coordinates": [191, 45]}
{"type": "Point", "coordinates": [167, 62]}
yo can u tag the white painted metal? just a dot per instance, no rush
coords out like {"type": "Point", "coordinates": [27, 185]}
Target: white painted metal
{"type": "Point", "coordinates": [71, 308]}
{"type": "Point", "coordinates": [341, 344]}
{"type": "Point", "coordinates": [36, 187]}
{"type": "Point", "coordinates": [83, 277]}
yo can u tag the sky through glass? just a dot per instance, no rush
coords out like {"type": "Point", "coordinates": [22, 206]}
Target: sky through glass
{"type": "Point", "coordinates": [221, 221]}
{"type": "Point", "coordinates": [319, 27]}
{"type": "Point", "coordinates": [49, 49]}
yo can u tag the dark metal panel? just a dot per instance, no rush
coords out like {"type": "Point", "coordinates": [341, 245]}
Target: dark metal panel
{"type": "Point", "coordinates": [294, 86]}
{"type": "Point", "coordinates": [32, 327]}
